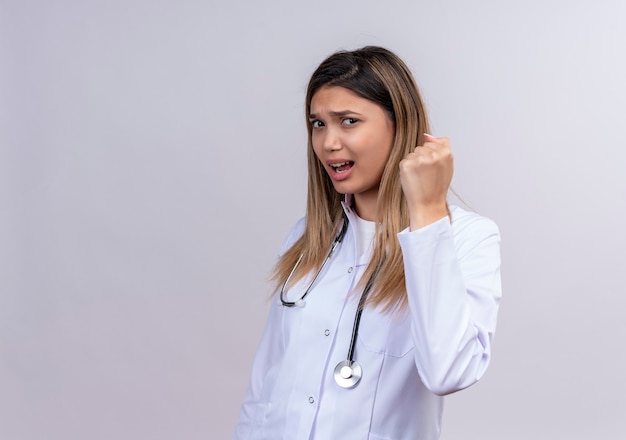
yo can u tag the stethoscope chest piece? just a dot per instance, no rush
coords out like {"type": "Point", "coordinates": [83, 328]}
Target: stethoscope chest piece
{"type": "Point", "coordinates": [348, 373]}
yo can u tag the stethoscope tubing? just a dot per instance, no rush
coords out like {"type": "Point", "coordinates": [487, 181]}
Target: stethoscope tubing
{"type": "Point", "coordinates": [300, 302]}
{"type": "Point", "coordinates": [348, 372]}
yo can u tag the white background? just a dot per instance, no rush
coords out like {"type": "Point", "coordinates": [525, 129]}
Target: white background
{"type": "Point", "coordinates": [152, 159]}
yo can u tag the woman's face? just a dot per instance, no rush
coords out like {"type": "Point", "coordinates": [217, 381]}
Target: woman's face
{"type": "Point", "coordinates": [352, 137]}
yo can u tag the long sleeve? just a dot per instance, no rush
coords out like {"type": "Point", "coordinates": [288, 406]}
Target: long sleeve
{"type": "Point", "coordinates": [267, 355]}
{"type": "Point", "coordinates": [442, 344]}
{"type": "Point", "coordinates": [454, 289]}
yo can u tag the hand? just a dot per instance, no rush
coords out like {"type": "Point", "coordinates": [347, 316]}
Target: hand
{"type": "Point", "coordinates": [426, 174]}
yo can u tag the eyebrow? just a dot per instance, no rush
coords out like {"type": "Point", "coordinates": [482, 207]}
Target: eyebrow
{"type": "Point", "coordinates": [337, 114]}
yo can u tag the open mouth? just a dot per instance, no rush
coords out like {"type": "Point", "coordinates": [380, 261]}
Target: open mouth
{"type": "Point", "coordinates": [342, 167]}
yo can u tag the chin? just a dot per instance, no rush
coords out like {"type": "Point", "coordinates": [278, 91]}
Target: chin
{"type": "Point", "coordinates": [342, 188]}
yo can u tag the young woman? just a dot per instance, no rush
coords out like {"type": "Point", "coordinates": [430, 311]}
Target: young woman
{"type": "Point", "coordinates": [386, 296]}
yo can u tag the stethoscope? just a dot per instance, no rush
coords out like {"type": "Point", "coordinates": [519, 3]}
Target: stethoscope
{"type": "Point", "coordinates": [348, 372]}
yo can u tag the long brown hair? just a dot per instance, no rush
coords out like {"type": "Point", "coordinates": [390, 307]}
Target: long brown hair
{"type": "Point", "coordinates": [376, 74]}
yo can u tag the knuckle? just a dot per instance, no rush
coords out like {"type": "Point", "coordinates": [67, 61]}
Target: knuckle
{"type": "Point", "coordinates": [409, 163]}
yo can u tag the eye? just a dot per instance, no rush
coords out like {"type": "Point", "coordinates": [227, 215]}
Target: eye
{"type": "Point", "coordinates": [349, 121]}
{"type": "Point", "coordinates": [317, 123]}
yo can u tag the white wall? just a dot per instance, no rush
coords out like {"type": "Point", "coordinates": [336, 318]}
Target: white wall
{"type": "Point", "coordinates": [152, 160]}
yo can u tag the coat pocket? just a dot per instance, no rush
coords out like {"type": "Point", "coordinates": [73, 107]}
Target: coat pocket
{"type": "Point", "coordinates": [387, 334]}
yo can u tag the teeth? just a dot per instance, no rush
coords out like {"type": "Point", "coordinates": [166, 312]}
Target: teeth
{"type": "Point", "coordinates": [337, 165]}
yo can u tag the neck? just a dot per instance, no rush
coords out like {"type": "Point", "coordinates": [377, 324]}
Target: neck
{"type": "Point", "coordinates": [365, 205]}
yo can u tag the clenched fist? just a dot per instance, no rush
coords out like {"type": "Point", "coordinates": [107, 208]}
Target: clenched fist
{"type": "Point", "coordinates": [425, 175]}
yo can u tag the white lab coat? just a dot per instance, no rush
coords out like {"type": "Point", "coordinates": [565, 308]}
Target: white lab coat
{"type": "Point", "coordinates": [441, 344]}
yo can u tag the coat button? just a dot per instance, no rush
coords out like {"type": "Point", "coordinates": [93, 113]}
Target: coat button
{"type": "Point", "coordinates": [326, 332]}
{"type": "Point", "coordinates": [350, 270]}
{"type": "Point", "coordinates": [311, 400]}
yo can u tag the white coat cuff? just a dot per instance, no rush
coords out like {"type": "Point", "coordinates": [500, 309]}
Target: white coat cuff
{"type": "Point", "coordinates": [428, 233]}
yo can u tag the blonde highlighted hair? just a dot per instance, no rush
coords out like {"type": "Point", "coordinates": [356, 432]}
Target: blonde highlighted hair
{"type": "Point", "coordinates": [376, 74]}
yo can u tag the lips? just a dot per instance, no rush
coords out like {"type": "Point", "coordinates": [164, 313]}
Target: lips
{"type": "Point", "coordinates": [341, 167]}
{"type": "Point", "coordinates": [340, 170]}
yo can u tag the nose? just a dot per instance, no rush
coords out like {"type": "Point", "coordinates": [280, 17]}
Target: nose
{"type": "Point", "coordinates": [331, 140]}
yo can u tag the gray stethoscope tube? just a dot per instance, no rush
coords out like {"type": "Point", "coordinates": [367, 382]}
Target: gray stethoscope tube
{"type": "Point", "coordinates": [300, 302]}
{"type": "Point", "coordinates": [347, 373]}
